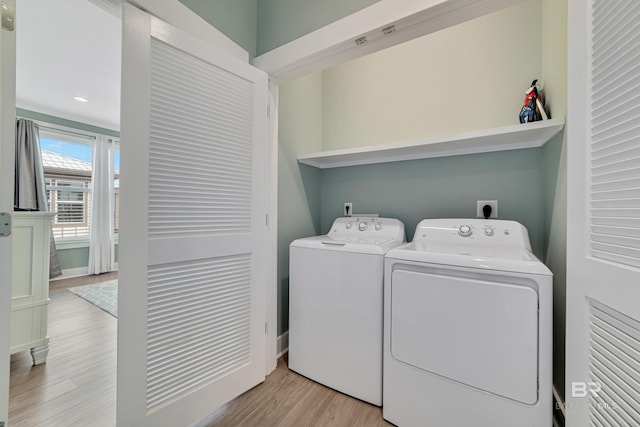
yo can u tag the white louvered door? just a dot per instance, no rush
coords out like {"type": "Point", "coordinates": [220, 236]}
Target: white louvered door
{"type": "Point", "coordinates": [603, 233]}
{"type": "Point", "coordinates": [193, 237]}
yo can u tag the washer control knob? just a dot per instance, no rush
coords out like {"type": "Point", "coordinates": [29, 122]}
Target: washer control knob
{"type": "Point", "coordinates": [349, 225]}
{"type": "Point", "coordinates": [488, 231]}
{"type": "Point", "coordinates": [465, 231]}
{"type": "Point", "coordinates": [378, 226]}
{"type": "Point", "coordinates": [362, 226]}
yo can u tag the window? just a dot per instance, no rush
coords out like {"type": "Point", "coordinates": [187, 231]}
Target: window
{"type": "Point", "coordinates": [70, 198]}
{"type": "Point", "coordinates": [67, 161]}
{"type": "Point", "coordinates": [71, 202]}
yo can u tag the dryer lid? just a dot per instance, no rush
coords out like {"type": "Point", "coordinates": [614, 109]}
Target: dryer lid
{"type": "Point", "coordinates": [475, 243]}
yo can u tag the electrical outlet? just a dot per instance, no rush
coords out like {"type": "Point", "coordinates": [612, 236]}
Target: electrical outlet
{"type": "Point", "coordinates": [481, 204]}
{"type": "Point", "coordinates": [348, 209]}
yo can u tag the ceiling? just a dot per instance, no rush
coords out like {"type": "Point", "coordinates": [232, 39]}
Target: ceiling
{"type": "Point", "coordinates": [68, 48]}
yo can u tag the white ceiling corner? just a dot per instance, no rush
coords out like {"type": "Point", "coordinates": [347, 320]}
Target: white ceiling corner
{"type": "Point", "coordinates": [68, 48]}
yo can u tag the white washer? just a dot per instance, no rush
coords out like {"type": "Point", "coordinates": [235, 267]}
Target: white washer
{"type": "Point", "coordinates": [467, 328]}
{"type": "Point", "coordinates": [335, 304]}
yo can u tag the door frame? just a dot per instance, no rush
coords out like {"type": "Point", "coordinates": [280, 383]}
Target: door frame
{"type": "Point", "coordinates": [7, 162]}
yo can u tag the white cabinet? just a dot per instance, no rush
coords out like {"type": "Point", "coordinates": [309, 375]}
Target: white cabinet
{"type": "Point", "coordinates": [30, 289]}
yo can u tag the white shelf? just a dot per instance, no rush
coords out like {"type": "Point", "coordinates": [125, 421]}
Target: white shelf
{"type": "Point", "coordinates": [529, 135]}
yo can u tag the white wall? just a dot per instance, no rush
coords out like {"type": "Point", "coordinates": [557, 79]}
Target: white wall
{"type": "Point", "coordinates": [468, 77]}
{"type": "Point", "coordinates": [300, 130]}
{"type": "Point", "coordinates": [554, 73]}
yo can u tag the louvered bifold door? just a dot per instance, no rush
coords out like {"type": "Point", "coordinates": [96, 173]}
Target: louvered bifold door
{"type": "Point", "coordinates": [603, 231]}
{"type": "Point", "coordinates": [193, 233]}
{"type": "Point", "coordinates": [615, 132]}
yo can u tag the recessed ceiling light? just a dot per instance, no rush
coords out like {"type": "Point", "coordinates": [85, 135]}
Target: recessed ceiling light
{"type": "Point", "coordinates": [80, 99]}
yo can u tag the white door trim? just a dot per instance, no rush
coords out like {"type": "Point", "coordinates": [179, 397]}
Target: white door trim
{"type": "Point", "coordinates": [7, 161]}
{"type": "Point", "coordinates": [272, 237]}
{"type": "Point", "coordinates": [180, 16]}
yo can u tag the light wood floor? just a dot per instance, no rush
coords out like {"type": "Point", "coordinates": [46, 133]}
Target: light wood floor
{"type": "Point", "coordinates": [76, 387]}
{"type": "Point", "coordinates": [287, 399]}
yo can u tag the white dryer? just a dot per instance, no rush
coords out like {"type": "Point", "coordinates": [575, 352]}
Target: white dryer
{"type": "Point", "coordinates": [335, 304]}
{"type": "Point", "coordinates": [467, 328]}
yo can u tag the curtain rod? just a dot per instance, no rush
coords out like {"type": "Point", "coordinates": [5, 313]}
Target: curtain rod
{"type": "Point", "coordinates": [68, 130]}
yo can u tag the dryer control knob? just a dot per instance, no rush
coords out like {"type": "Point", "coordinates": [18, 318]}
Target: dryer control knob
{"type": "Point", "coordinates": [488, 231]}
{"type": "Point", "coordinates": [465, 231]}
{"type": "Point", "coordinates": [378, 226]}
{"type": "Point", "coordinates": [362, 226]}
{"type": "Point", "coordinates": [349, 225]}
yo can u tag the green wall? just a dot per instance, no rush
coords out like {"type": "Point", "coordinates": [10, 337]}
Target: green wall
{"type": "Point", "coordinates": [261, 25]}
{"type": "Point", "coordinates": [281, 21]}
{"type": "Point", "coordinates": [237, 19]}
{"type": "Point", "coordinates": [33, 115]}
{"type": "Point", "coordinates": [554, 73]}
{"type": "Point", "coordinates": [77, 257]}
{"type": "Point", "coordinates": [73, 258]}
{"type": "Point", "coordinates": [300, 112]}
{"type": "Point", "coordinates": [446, 187]}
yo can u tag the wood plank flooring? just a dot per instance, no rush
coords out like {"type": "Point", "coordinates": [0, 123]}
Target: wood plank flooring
{"type": "Point", "coordinates": [287, 399]}
{"type": "Point", "coordinates": [76, 387]}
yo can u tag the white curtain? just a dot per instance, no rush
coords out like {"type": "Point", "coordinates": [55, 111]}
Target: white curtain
{"type": "Point", "coordinates": [101, 239]}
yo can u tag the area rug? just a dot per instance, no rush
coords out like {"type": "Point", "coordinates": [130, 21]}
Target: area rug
{"type": "Point", "coordinates": [103, 295]}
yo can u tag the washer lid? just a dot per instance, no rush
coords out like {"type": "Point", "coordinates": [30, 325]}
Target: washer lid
{"type": "Point", "coordinates": [498, 258]}
{"type": "Point", "coordinates": [365, 235]}
{"type": "Point", "coordinates": [347, 244]}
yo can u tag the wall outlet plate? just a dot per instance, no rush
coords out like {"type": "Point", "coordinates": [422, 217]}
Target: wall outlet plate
{"type": "Point", "coordinates": [494, 208]}
{"type": "Point", "coordinates": [348, 209]}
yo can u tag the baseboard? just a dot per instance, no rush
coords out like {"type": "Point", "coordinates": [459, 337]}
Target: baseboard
{"type": "Point", "coordinates": [72, 272]}
{"type": "Point", "coordinates": [283, 344]}
{"type": "Point", "coordinates": [68, 273]}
